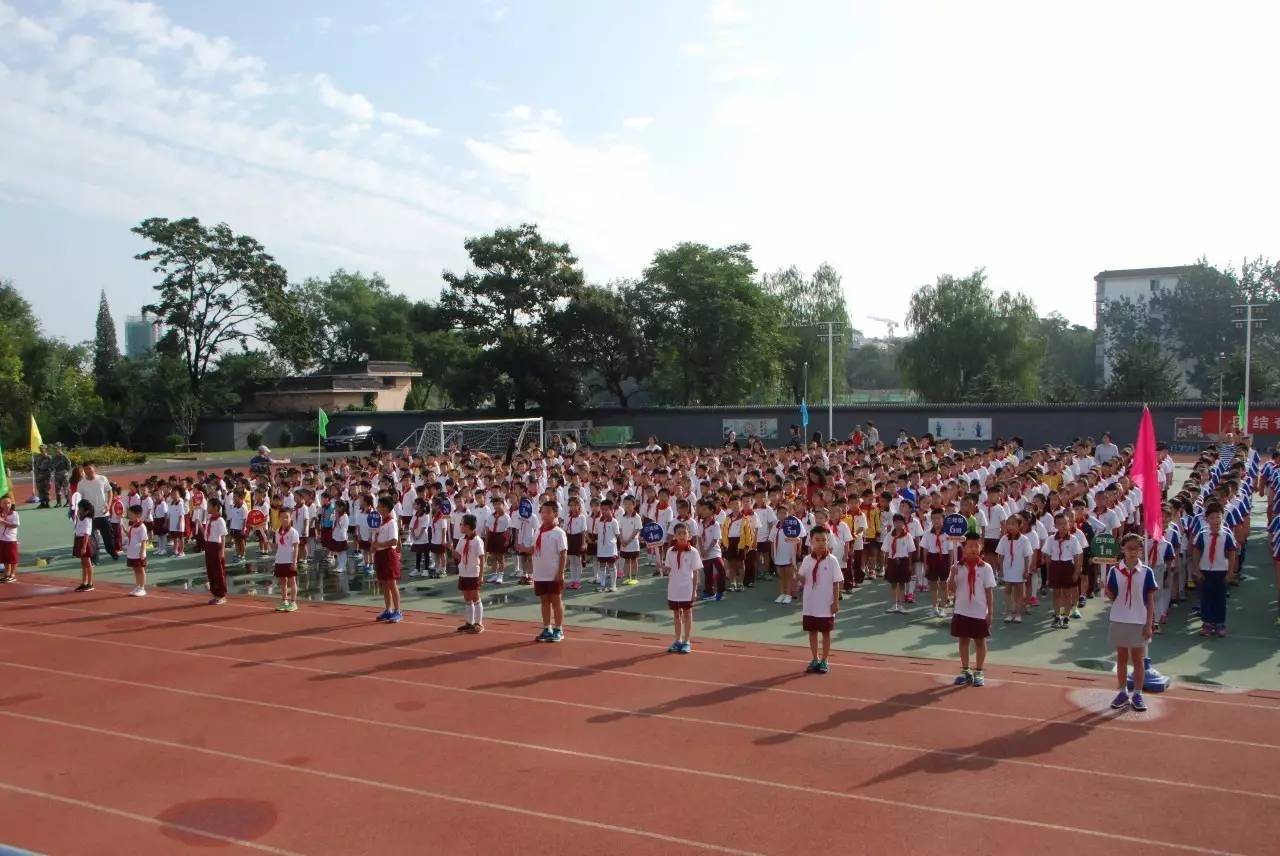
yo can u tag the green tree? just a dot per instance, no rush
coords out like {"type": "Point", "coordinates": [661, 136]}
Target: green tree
{"type": "Point", "coordinates": [217, 289]}
{"type": "Point", "coordinates": [1142, 370]}
{"type": "Point", "coordinates": [230, 386]}
{"type": "Point", "coordinates": [351, 318]}
{"type": "Point", "coordinates": [106, 350]}
{"type": "Point", "coordinates": [968, 343]}
{"type": "Point", "coordinates": [505, 308]}
{"type": "Point", "coordinates": [806, 302]}
{"type": "Point", "coordinates": [716, 331]}
{"type": "Point", "coordinates": [874, 366]}
{"type": "Point", "coordinates": [1069, 369]}
{"type": "Point", "coordinates": [602, 333]}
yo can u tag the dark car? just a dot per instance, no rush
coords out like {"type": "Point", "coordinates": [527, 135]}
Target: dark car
{"type": "Point", "coordinates": [355, 437]}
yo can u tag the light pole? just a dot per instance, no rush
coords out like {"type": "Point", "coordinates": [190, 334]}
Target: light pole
{"type": "Point", "coordinates": [804, 402]}
{"type": "Point", "coordinates": [1221, 371]}
{"type": "Point", "coordinates": [831, 338]}
{"type": "Point", "coordinates": [1249, 320]}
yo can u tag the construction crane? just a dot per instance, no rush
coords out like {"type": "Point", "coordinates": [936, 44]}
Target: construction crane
{"type": "Point", "coordinates": [888, 322]}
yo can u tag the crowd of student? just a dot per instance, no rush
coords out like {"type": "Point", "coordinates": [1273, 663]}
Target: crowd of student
{"type": "Point", "coordinates": [816, 521]}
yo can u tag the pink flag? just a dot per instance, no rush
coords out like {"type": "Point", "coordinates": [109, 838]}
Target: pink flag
{"type": "Point", "coordinates": [1146, 477]}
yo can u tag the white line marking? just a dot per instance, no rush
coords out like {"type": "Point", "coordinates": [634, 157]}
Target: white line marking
{"type": "Point", "coordinates": [643, 714]}
{"type": "Point", "coordinates": [142, 818]}
{"type": "Point", "coordinates": [801, 789]}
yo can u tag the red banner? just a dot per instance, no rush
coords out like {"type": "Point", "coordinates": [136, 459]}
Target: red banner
{"type": "Point", "coordinates": [1260, 421]}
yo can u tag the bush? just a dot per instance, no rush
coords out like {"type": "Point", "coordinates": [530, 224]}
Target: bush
{"type": "Point", "coordinates": [173, 441]}
{"type": "Point", "coordinates": [254, 439]}
{"type": "Point", "coordinates": [17, 460]}
{"type": "Point", "coordinates": [286, 437]}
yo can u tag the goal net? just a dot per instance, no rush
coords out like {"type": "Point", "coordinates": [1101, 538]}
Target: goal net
{"type": "Point", "coordinates": [491, 436]}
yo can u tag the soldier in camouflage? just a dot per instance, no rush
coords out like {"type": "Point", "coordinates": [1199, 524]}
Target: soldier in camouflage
{"type": "Point", "coordinates": [43, 466]}
{"type": "Point", "coordinates": [61, 475]}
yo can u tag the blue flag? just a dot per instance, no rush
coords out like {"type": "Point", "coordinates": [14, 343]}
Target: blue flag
{"type": "Point", "coordinates": [804, 415]}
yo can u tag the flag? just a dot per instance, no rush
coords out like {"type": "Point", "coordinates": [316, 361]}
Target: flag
{"type": "Point", "coordinates": [1146, 477]}
{"type": "Point", "coordinates": [804, 415]}
{"type": "Point", "coordinates": [36, 440]}
{"type": "Point", "coordinates": [322, 421]}
{"type": "Point", "coordinates": [1241, 416]}
{"type": "Point", "coordinates": [4, 475]}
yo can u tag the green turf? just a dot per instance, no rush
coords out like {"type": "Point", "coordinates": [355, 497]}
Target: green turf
{"type": "Point", "coordinates": [1249, 657]}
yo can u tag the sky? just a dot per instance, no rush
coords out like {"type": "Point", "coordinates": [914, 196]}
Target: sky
{"type": "Point", "coordinates": [896, 141]}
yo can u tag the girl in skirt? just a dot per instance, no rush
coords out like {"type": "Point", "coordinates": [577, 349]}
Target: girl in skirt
{"type": "Point", "coordinates": [82, 548]}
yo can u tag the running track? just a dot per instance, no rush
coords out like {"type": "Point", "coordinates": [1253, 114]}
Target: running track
{"type": "Point", "coordinates": [162, 725]}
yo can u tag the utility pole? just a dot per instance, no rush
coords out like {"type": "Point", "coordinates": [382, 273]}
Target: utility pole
{"type": "Point", "coordinates": [1254, 313]}
{"type": "Point", "coordinates": [830, 336]}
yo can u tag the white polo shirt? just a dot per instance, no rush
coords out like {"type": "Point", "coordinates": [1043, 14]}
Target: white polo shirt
{"type": "Point", "coordinates": [547, 547]}
{"type": "Point", "coordinates": [972, 601]}
{"type": "Point", "coordinates": [819, 580]}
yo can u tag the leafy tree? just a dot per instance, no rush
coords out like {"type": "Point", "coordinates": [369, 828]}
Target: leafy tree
{"type": "Point", "coordinates": [351, 318]}
{"type": "Point", "coordinates": [1264, 377]}
{"type": "Point", "coordinates": [602, 334]}
{"type": "Point", "coordinates": [874, 366]}
{"type": "Point", "coordinates": [806, 302]}
{"type": "Point", "coordinates": [1069, 368]}
{"type": "Point", "coordinates": [1142, 370]}
{"type": "Point", "coordinates": [74, 404]}
{"type": "Point", "coordinates": [968, 343]}
{"type": "Point", "coordinates": [230, 386]}
{"type": "Point", "coordinates": [715, 330]}
{"type": "Point", "coordinates": [505, 308]}
{"type": "Point", "coordinates": [135, 397]}
{"type": "Point", "coordinates": [106, 350]}
{"type": "Point", "coordinates": [217, 289]}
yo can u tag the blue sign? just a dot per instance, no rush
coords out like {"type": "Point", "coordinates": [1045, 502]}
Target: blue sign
{"type": "Point", "coordinates": [445, 507]}
{"type": "Point", "coordinates": [526, 508]}
{"type": "Point", "coordinates": [955, 525]}
{"type": "Point", "coordinates": [651, 533]}
{"type": "Point", "coordinates": [791, 527]}
{"type": "Point", "coordinates": [326, 517]}
{"type": "Point", "coordinates": [374, 519]}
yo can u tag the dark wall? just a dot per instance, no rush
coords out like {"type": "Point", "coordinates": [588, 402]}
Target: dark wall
{"type": "Point", "coordinates": [1037, 424]}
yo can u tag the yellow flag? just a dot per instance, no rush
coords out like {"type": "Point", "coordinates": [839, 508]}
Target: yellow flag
{"type": "Point", "coordinates": [36, 440]}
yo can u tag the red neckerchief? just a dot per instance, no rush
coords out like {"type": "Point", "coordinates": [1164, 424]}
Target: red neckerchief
{"type": "Point", "coordinates": [1128, 588]}
{"type": "Point", "coordinates": [207, 524]}
{"type": "Point", "coordinates": [663, 506]}
{"type": "Point", "coordinates": [283, 530]}
{"type": "Point", "coordinates": [1213, 546]}
{"type": "Point", "coordinates": [678, 551]}
{"type": "Point", "coordinates": [135, 526]}
{"type": "Point", "coordinates": [1155, 551]}
{"type": "Point", "coordinates": [937, 540]}
{"type": "Point", "coordinates": [1060, 538]}
{"type": "Point", "coordinates": [537, 542]}
{"type": "Point", "coordinates": [893, 548]}
{"type": "Point", "coordinates": [972, 565]}
{"type": "Point", "coordinates": [413, 524]}
{"type": "Point", "coordinates": [466, 548]}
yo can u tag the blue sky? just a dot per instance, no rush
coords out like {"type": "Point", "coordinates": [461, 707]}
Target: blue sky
{"type": "Point", "coordinates": [896, 141]}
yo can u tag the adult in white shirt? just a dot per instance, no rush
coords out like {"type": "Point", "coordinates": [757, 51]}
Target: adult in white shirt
{"type": "Point", "coordinates": [96, 490]}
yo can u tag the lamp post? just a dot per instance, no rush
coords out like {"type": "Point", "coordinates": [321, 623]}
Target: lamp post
{"type": "Point", "coordinates": [1253, 314]}
{"type": "Point", "coordinates": [1221, 363]}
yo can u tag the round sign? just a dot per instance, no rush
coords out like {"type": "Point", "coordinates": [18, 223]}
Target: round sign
{"type": "Point", "coordinates": [526, 508]}
{"type": "Point", "coordinates": [955, 525]}
{"type": "Point", "coordinates": [197, 498]}
{"type": "Point", "coordinates": [651, 533]}
{"type": "Point", "coordinates": [326, 518]}
{"type": "Point", "coordinates": [374, 519]}
{"type": "Point", "coordinates": [445, 507]}
{"type": "Point", "coordinates": [256, 518]}
{"type": "Point", "coordinates": [117, 508]}
{"type": "Point", "coordinates": [791, 527]}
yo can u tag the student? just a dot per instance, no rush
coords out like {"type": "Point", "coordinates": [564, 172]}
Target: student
{"type": "Point", "coordinates": [738, 540]}
{"type": "Point", "coordinates": [1214, 556]}
{"type": "Point", "coordinates": [469, 553]}
{"type": "Point", "coordinates": [236, 516]}
{"type": "Point", "coordinates": [9, 523]}
{"type": "Point", "coordinates": [286, 565]}
{"type": "Point", "coordinates": [683, 562]}
{"type": "Point", "coordinates": [1065, 557]}
{"type": "Point", "coordinates": [418, 533]}
{"type": "Point", "coordinates": [576, 529]}
{"type": "Point", "coordinates": [784, 556]}
{"type": "Point", "coordinates": [1013, 558]}
{"type": "Point", "coordinates": [713, 582]}
{"type": "Point", "coordinates": [607, 531]}
{"type": "Point", "coordinates": [899, 547]}
{"type": "Point", "coordinates": [176, 525]}
{"type": "Point", "coordinates": [550, 554]}
{"type": "Point", "coordinates": [341, 531]}
{"type": "Point", "coordinates": [820, 574]}
{"type": "Point", "coordinates": [939, 555]}
{"type": "Point", "coordinates": [972, 583]}
{"type": "Point", "coordinates": [82, 546]}
{"type": "Point", "coordinates": [438, 533]}
{"type": "Point", "coordinates": [386, 560]}
{"type": "Point", "coordinates": [629, 526]}
{"type": "Point", "coordinates": [1131, 587]}
{"type": "Point", "coordinates": [498, 540]}
{"type": "Point", "coordinates": [215, 567]}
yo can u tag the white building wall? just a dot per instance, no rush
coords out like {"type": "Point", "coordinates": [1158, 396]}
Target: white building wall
{"type": "Point", "coordinates": [1137, 289]}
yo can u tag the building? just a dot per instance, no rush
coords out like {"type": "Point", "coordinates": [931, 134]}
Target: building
{"type": "Point", "coordinates": [377, 384]}
{"type": "Point", "coordinates": [1137, 285]}
{"type": "Point", "coordinates": [140, 335]}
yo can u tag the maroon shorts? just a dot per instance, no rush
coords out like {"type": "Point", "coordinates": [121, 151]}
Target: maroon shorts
{"type": "Point", "coordinates": [136, 564]}
{"type": "Point", "coordinates": [420, 548]}
{"type": "Point", "coordinates": [83, 545]}
{"type": "Point", "coordinates": [542, 588]}
{"type": "Point", "coordinates": [898, 570]}
{"type": "Point", "coordinates": [818, 624]}
{"type": "Point", "coordinates": [607, 560]}
{"type": "Point", "coordinates": [629, 554]}
{"type": "Point", "coordinates": [285, 571]}
{"type": "Point", "coordinates": [1062, 575]}
{"type": "Point", "coordinates": [967, 627]}
{"type": "Point", "coordinates": [679, 604]}
{"type": "Point", "coordinates": [577, 544]}
{"type": "Point", "coordinates": [437, 549]}
{"type": "Point", "coordinates": [338, 546]}
{"type": "Point", "coordinates": [363, 545]}
{"type": "Point", "coordinates": [734, 550]}
{"type": "Point", "coordinates": [937, 566]}
{"type": "Point", "coordinates": [386, 565]}
{"type": "Point", "coordinates": [159, 527]}
{"type": "Point", "coordinates": [468, 583]}
{"type": "Point", "coordinates": [8, 552]}
{"type": "Point", "coordinates": [237, 535]}
{"type": "Point", "coordinates": [989, 544]}
{"type": "Point", "coordinates": [496, 544]}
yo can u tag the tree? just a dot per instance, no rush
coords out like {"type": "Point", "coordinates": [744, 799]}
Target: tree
{"type": "Point", "coordinates": [505, 307]}
{"type": "Point", "coordinates": [106, 350]}
{"type": "Point", "coordinates": [806, 303]}
{"type": "Point", "coordinates": [602, 334]}
{"type": "Point", "coordinates": [74, 404]}
{"type": "Point", "coordinates": [874, 366]}
{"type": "Point", "coordinates": [1069, 368]}
{"type": "Point", "coordinates": [217, 289]}
{"type": "Point", "coordinates": [968, 343]}
{"type": "Point", "coordinates": [1141, 370]}
{"type": "Point", "coordinates": [716, 331]}
{"type": "Point", "coordinates": [351, 318]}
{"type": "Point", "coordinates": [231, 384]}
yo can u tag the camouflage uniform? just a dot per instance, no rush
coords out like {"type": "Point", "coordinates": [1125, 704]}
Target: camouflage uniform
{"type": "Point", "coordinates": [43, 466]}
{"type": "Point", "coordinates": [61, 476]}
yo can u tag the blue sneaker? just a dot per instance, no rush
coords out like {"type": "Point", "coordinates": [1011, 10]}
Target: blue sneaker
{"type": "Point", "coordinates": [557, 635]}
{"type": "Point", "coordinates": [823, 668]}
{"type": "Point", "coordinates": [675, 647]}
{"type": "Point", "coordinates": [384, 615]}
{"type": "Point", "coordinates": [1121, 701]}
{"type": "Point", "coordinates": [963, 679]}
{"type": "Point", "coordinates": [544, 636]}
{"type": "Point", "coordinates": [708, 597]}
{"type": "Point", "coordinates": [812, 668]}
{"type": "Point", "coordinates": [719, 595]}
{"type": "Point", "coordinates": [979, 679]}
{"type": "Point", "coordinates": [1138, 704]}
{"type": "Point", "coordinates": [686, 648]}
{"type": "Point", "coordinates": [395, 617]}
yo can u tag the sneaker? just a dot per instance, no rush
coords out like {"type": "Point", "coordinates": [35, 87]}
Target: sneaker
{"type": "Point", "coordinates": [779, 598]}
{"type": "Point", "coordinates": [1075, 613]}
{"type": "Point", "coordinates": [823, 668]}
{"type": "Point", "coordinates": [217, 601]}
{"type": "Point", "coordinates": [632, 582]}
{"type": "Point", "coordinates": [574, 586]}
{"type": "Point", "coordinates": [963, 679]}
{"type": "Point", "coordinates": [138, 591]}
{"type": "Point", "coordinates": [1017, 619]}
{"type": "Point", "coordinates": [544, 636]}
{"type": "Point", "coordinates": [1080, 603]}
{"type": "Point", "coordinates": [707, 596]}
{"type": "Point", "coordinates": [615, 588]}
{"type": "Point", "coordinates": [557, 635]}
{"type": "Point", "coordinates": [499, 580]}
{"type": "Point", "coordinates": [464, 628]}
{"type": "Point", "coordinates": [812, 668]}
{"type": "Point", "coordinates": [1138, 704]}
{"type": "Point", "coordinates": [1121, 701]}
{"type": "Point", "coordinates": [1057, 622]}
{"type": "Point", "coordinates": [675, 647]}
{"type": "Point", "coordinates": [1206, 629]}
{"type": "Point", "coordinates": [786, 599]}
{"type": "Point", "coordinates": [1221, 630]}
{"type": "Point", "coordinates": [1157, 627]}
{"type": "Point", "coordinates": [83, 587]}
{"type": "Point", "coordinates": [979, 679]}
{"type": "Point", "coordinates": [476, 628]}
{"type": "Point", "coordinates": [1008, 619]}
{"type": "Point", "coordinates": [394, 618]}
{"type": "Point", "coordinates": [686, 647]}
{"type": "Point", "coordinates": [1033, 601]}
{"type": "Point", "coordinates": [893, 608]}
{"type": "Point", "coordinates": [719, 595]}
{"type": "Point", "coordinates": [1066, 623]}
{"type": "Point", "coordinates": [293, 606]}
{"type": "Point", "coordinates": [415, 573]}
{"type": "Point", "coordinates": [384, 615]}
{"type": "Point", "coordinates": [909, 598]}
{"type": "Point", "coordinates": [526, 580]}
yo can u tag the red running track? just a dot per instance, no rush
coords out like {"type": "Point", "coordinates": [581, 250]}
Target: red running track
{"type": "Point", "coordinates": [161, 725]}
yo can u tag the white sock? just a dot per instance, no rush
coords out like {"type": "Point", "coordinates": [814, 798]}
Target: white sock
{"type": "Point", "coordinates": [575, 569]}
{"type": "Point", "coordinates": [479, 610]}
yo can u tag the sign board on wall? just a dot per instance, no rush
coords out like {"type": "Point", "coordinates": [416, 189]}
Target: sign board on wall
{"type": "Point", "coordinates": [1189, 429]}
{"type": "Point", "coordinates": [1260, 421]}
{"type": "Point", "coordinates": [960, 428]}
{"type": "Point", "coordinates": [765, 429]}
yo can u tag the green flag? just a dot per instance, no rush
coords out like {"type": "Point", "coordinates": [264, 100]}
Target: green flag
{"type": "Point", "coordinates": [4, 475]}
{"type": "Point", "coordinates": [1240, 415]}
{"type": "Point", "coordinates": [322, 420]}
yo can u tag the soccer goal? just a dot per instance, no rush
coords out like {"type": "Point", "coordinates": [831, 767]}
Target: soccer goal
{"type": "Point", "coordinates": [491, 436]}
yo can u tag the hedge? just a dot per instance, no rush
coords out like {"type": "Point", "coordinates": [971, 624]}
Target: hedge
{"type": "Point", "coordinates": [19, 460]}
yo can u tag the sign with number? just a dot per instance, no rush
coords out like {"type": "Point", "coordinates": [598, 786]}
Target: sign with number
{"type": "Point", "coordinates": [955, 525]}
{"type": "Point", "coordinates": [791, 527]}
{"type": "Point", "coordinates": [374, 520]}
{"type": "Point", "coordinates": [117, 508]}
{"type": "Point", "coordinates": [651, 533]}
{"type": "Point", "coordinates": [1105, 547]}
{"type": "Point", "coordinates": [197, 498]}
{"type": "Point", "coordinates": [256, 518]}
{"type": "Point", "coordinates": [326, 518]}
{"type": "Point", "coordinates": [445, 507]}
{"type": "Point", "coordinates": [526, 508]}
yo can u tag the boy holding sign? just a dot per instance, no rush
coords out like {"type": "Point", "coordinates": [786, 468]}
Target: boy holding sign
{"type": "Point", "coordinates": [973, 584]}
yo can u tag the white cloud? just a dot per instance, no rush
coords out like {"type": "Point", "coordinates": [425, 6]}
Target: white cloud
{"type": "Point", "coordinates": [693, 48]}
{"type": "Point", "coordinates": [723, 12]}
{"type": "Point", "coordinates": [638, 123]}
{"type": "Point", "coordinates": [352, 105]}
{"type": "Point", "coordinates": [26, 29]}
{"type": "Point", "coordinates": [730, 72]}
{"type": "Point", "coordinates": [521, 112]}
{"type": "Point", "coordinates": [407, 125]}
